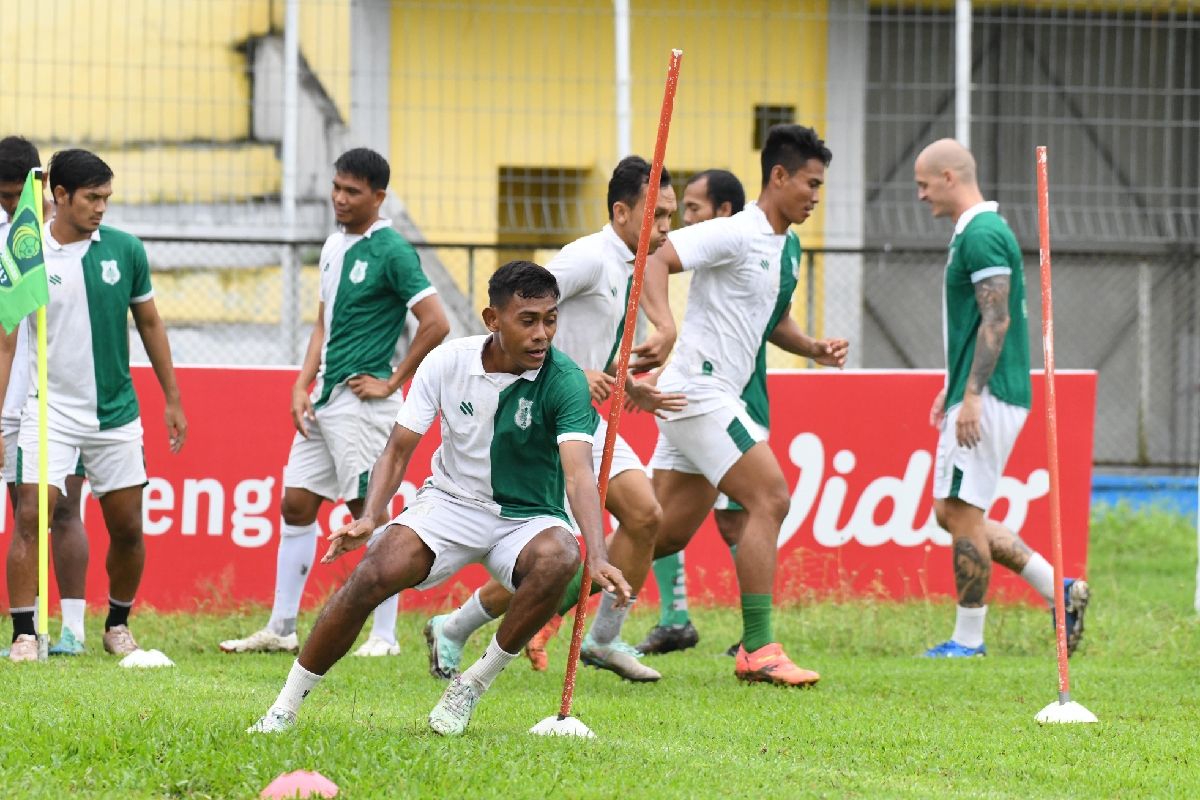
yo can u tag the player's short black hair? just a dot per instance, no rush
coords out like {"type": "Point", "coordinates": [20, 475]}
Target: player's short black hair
{"type": "Point", "coordinates": [520, 277]}
{"type": "Point", "coordinates": [17, 156]}
{"type": "Point", "coordinates": [631, 174]}
{"type": "Point", "coordinates": [792, 146]}
{"type": "Point", "coordinates": [365, 164]}
{"type": "Point", "coordinates": [722, 187]}
{"type": "Point", "coordinates": [78, 169]}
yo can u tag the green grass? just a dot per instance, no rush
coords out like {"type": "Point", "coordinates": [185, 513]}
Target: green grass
{"type": "Point", "coordinates": [882, 723]}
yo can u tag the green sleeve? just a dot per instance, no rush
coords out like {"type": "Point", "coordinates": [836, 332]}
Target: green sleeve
{"type": "Point", "coordinates": [141, 288]}
{"type": "Point", "coordinates": [984, 253]}
{"type": "Point", "coordinates": [572, 404]}
{"type": "Point", "coordinates": [405, 275]}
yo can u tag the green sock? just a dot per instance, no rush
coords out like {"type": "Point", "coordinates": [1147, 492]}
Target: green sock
{"type": "Point", "coordinates": [672, 590]}
{"type": "Point", "coordinates": [733, 551]}
{"type": "Point", "coordinates": [756, 621]}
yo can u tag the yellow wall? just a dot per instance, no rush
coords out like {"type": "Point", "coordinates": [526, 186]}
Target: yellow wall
{"type": "Point", "coordinates": [520, 83]}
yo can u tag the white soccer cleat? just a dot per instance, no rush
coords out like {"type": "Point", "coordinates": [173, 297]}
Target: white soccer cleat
{"type": "Point", "coordinates": [376, 646]}
{"type": "Point", "coordinates": [276, 720]}
{"type": "Point", "coordinates": [452, 714]}
{"type": "Point", "coordinates": [264, 641]}
{"type": "Point", "coordinates": [618, 657]}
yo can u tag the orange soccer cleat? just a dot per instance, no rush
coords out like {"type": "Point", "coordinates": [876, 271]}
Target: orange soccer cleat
{"type": "Point", "coordinates": [769, 664]}
{"type": "Point", "coordinates": [536, 649]}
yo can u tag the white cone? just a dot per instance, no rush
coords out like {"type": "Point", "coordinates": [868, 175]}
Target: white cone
{"type": "Point", "coordinates": [146, 659]}
{"type": "Point", "coordinates": [1067, 712]}
{"type": "Point", "coordinates": [562, 726]}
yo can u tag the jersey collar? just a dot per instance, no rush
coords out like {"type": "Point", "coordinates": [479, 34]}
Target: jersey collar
{"type": "Point", "coordinates": [54, 245]}
{"type": "Point", "coordinates": [618, 244]}
{"type": "Point", "coordinates": [477, 362]}
{"type": "Point", "coordinates": [760, 218]}
{"type": "Point", "coordinates": [972, 212]}
{"type": "Point", "coordinates": [378, 224]}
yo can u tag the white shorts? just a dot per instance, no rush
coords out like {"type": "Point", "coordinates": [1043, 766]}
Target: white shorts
{"type": "Point", "coordinates": [624, 459]}
{"type": "Point", "coordinates": [10, 432]}
{"type": "Point", "coordinates": [343, 443]}
{"type": "Point", "coordinates": [112, 459]}
{"type": "Point", "coordinates": [461, 533]}
{"type": "Point", "coordinates": [708, 444]}
{"type": "Point", "coordinates": [726, 503]}
{"type": "Point", "coordinates": [973, 474]}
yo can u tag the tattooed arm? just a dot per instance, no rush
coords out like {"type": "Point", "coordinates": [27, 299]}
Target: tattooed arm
{"type": "Point", "coordinates": [992, 296]}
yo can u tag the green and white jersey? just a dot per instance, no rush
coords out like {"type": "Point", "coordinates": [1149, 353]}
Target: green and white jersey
{"type": "Point", "coordinates": [593, 276]}
{"type": "Point", "coordinates": [983, 246]}
{"type": "Point", "coordinates": [368, 284]}
{"type": "Point", "coordinates": [758, 406]}
{"type": "Point", "coordinates": [731, 302]}
{"type": "Point", "coordinates": [500, 431]}
{"type": "Point", "coordinates": [92, 285]}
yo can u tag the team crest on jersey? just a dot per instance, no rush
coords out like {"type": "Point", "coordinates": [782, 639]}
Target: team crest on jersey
{"type": "Point", "coordinates": [109, 273]}
{"type": "Point", "coordinates": [358, 272]}
{"type": "Point", "coordinates": [524, 415]}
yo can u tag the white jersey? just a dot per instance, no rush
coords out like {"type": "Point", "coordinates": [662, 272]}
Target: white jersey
{"type": "Point", "coordinates": [18, 378]}
{"type": "Point", "coordinates": [731, 301]}
{"type": "Point", "coordinates": [93, 284]}
{"type": "Point", "coordinates": [593, 276]}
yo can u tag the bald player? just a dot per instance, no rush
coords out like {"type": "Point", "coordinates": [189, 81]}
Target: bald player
{"type": "Point", "coordinates": [981, 408]}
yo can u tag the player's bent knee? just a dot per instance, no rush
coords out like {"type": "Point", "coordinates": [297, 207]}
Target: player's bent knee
{"type": "Point", "coordinates": [553, 557]}
{"type": "Point", "coordinates": [644, 522]}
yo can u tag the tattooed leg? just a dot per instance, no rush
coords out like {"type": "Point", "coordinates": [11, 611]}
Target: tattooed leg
{"type": "Point", "coordinates": [972, 571]}
{"type": "Point", "coordinates": [1006, 547]}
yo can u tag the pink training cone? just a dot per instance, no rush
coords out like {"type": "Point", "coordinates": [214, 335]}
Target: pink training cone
{"type": "Point", "coordinates": [300, 783]}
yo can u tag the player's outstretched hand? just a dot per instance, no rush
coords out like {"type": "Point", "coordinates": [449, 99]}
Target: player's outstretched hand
{"type": "Point", "coordinates": [600, 384]}
{"type": "Point", "coordinates": [832, 352]}
{"type": "Point", "coordinates": [368, 387]}
{"type": "Point", "coordinates": [648, 397]}
{"type": "Point", "coordinates": [347, 538]}
{"type": "Point", "coordinates": [177, 427]}
{"type": "Point", "coordinates": [938, 411]}
{"type": "Point", "coordinates": [610, 579]}
{"type": "Point", "coordinates": [302, 410]}
{"type": "Point", "coordinates": [653, 352]}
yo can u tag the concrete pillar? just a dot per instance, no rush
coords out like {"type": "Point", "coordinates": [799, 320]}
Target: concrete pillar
{"type": "Point", "coordinates": [370, 69]}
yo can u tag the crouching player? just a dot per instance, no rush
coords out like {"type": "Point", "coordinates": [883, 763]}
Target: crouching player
{"type": "Point", "coordinates": [517, 425]}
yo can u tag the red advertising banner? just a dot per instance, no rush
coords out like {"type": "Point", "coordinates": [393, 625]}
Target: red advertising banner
{"type": "Point", "coordinates": [856, 449]}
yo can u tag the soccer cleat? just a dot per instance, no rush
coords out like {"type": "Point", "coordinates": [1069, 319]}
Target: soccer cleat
{"type": "Point", "coordinates": [618, 657]}
{"type": "Point", "coordinates": [769, 664]}
{"type": "Point", "coordinates": [444, 654]}
{"type": "Point", "coordinates": [67, 645]}
{"type": "Point", "coordinates": [119, 641]}
{"type": "Point", "coordinates": [952, 649]}
{"type": "Point", "coordinates": [536, 649]}
{"type": "Point", "coordinates": [276, 720]}
{"type": "Point", "coordinates": [733, 649]}
{"type": "Point", "coordinates": [669, 639]}
{"type": "Point", "coordinates": [1076, 594]}
{"type": "Point", "coordinates": [452, 714]}
{"type": "Point", "coordinates": [24, 648]}
{"type": "Point", "coordinates": [376, 646]}
{"type": "Point", "coordinates": [264, 641]}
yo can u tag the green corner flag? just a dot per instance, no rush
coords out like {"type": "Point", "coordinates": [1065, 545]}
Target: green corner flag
{"type": "Point", "coordinates": [23, 285]}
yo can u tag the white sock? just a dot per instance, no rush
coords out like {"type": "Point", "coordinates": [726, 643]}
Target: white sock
{"type": "Point", "coordinates": [297, 549]}
{"type": "Point", "coordinates": [297, 686]}
{"type": "Point", "coordinates": [609, 619]}
{"type": "Point", "coordinates": [72, 615]}
{"type": "Point", "coordinates": [490, 664]}
{"type": "Point", "coordinates": [1040, 575]}
{"type": "Point", "coordinates": [465, 620]}
{"type": "Point", "coordinates": [383, 624]}
{"type": "Point", "coordinates": [968, 626]}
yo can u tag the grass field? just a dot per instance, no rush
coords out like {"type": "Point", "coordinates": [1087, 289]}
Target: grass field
{"type": "Point", "coordinates": [882, 723]}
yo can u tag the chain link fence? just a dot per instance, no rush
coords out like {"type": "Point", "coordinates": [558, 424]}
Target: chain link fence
{"type": "Point", "coordinates": [502, 120]}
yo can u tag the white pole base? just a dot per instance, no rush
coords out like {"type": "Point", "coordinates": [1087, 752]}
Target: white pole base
{"type": "Point", "coordinates": [562, 726]}
{"type": "Point", "coordinates": [43, 642]}
{"type": "Point", "coordinates": [1067, 712]}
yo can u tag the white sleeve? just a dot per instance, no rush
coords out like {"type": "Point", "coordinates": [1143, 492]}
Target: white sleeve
{"type": "Point", "coordinates": [713, 243]}
{"type": "Point", "coordinates": [574, 270]}
{"type": "Point", "coordinates": [326, 254]}
{"type": "Point", "coordinates": [422, 404]}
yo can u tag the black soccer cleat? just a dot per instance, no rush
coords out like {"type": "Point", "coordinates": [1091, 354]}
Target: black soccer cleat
{"type": "Point", "coordinates": [669, 638]}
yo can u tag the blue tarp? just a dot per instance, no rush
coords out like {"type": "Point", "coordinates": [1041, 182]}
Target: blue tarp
{"type": "Point", "coordinates": [1162, 491]}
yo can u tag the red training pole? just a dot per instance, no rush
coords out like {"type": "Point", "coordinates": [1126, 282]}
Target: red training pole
{"type": "Point", "coordinates": [617, 398]}
{"type": "Point", "coordinates": [1060, 624]}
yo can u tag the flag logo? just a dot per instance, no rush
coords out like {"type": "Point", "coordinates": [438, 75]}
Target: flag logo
{"type": "Point", "coordinates": [358, 272]}
{"type": "Point", "coordinates": [109, 272]}
{"type": "Point", "coordinates": [524, 416]}
{"type": "Point", "coordinates": [23, 285]}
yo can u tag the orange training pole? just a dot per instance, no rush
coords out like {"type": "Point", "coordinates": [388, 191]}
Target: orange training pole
{"type": "Point", "coordinates": [618, 394]}
{"type": "Point", "coordinates": [1064, 681]}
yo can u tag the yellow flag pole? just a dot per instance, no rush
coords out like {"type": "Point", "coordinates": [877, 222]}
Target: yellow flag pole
{"type": "Point", "coordinates": [43, 605]}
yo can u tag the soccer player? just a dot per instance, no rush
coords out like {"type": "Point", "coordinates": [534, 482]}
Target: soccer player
{"type": "Point", "coordinates": [97, 276]}
{"type": "Point", "coordinates": [370, 279]}
{"type": "Point", "coordinates": [981, 408]}
{"type": "Point", "coordinates": [68, 539]}
{"type": "Point", "coordinates": [713, 445]}
{"type": "Point", "coordinates": [594, 274]}
{"type": "Point", "coordinates": [516, 430]}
